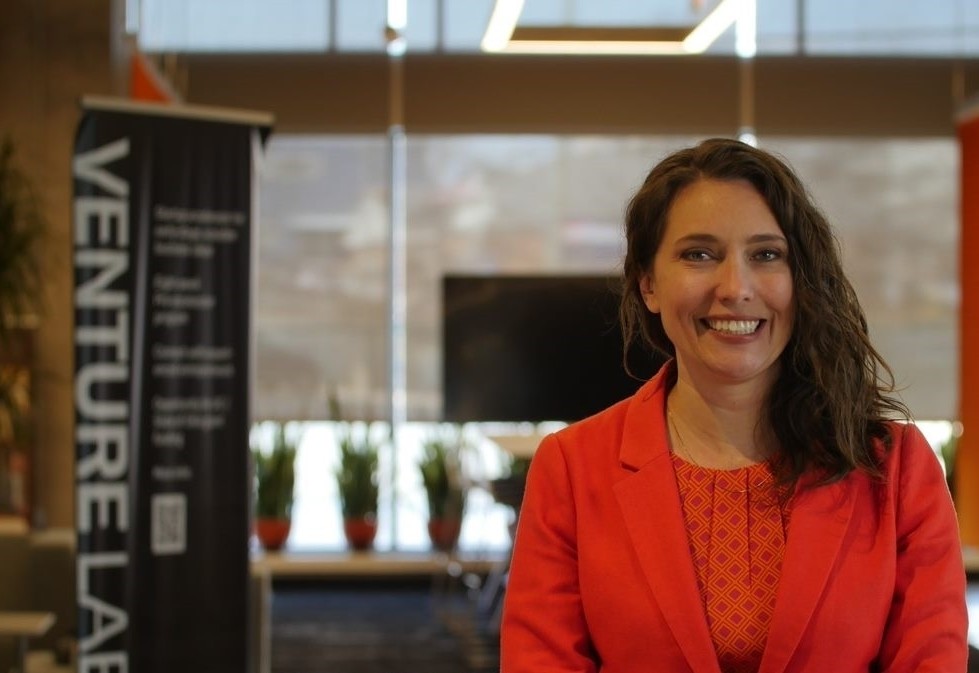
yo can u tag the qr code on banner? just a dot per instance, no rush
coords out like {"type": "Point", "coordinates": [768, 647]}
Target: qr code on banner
{"type": "Point", "coordinates": [168, 527]}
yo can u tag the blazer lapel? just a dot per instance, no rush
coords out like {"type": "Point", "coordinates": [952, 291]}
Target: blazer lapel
{"type": "Point", "coordinates": [650, 504]}
{"type": "Point", "coordinates": [819, 519]}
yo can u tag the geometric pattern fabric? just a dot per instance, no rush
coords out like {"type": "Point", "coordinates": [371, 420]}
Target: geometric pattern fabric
{"type": "Point", "coordinates": [736, 526]}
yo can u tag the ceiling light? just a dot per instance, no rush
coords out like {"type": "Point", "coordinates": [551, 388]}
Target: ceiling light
{"type": "Point", "coordinates": [707, 31]}
{"type": "Point", "coordinates": [502, 35]}
{"type": "Point", "coordinates": [501, 24]}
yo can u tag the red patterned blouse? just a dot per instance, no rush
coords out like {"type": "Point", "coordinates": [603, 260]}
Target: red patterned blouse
{"type": "Point", "coordinates": [736, 526]}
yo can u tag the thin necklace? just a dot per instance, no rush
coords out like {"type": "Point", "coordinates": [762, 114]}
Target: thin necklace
{"type": "Point", "coordinates": [690, 458]}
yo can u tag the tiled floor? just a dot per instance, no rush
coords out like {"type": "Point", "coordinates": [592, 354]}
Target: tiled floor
{"type": "Point", "coordinates": [375, 626]}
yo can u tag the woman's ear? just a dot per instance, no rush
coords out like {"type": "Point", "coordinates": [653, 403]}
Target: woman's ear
{"type": "Point", "coordinates": [648, 295]}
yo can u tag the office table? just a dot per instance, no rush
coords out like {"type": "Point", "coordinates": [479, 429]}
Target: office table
{"type": "Point", "coordinates": [23, 626]}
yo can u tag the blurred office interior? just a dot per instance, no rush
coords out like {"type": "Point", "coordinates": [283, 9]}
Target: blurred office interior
{"type": "Point", "coordinates": [405, 150]}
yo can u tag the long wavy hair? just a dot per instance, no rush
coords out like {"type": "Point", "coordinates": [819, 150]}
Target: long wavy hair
{"type": "Point", "coordinates": [834, 391]}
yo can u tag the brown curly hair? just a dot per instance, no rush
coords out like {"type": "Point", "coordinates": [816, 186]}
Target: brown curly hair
{"type": "Point", "coordinates": [834, 391]}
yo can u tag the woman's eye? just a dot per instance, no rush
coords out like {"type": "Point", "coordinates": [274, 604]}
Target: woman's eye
{"type": "Point", "coordinates": [696, 255]}
{"type": "Point", "coordinates": [769, 255]}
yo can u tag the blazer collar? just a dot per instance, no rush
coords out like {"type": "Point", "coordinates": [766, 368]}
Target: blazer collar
{"type": "Point", "coordinates": [820, 517]}
{"type": "Point", "coordinates": [650, 503]}
{"type": "Point", "coordinates": [645, 437]}
{"type": "Point", "coordinates": [649, 499]}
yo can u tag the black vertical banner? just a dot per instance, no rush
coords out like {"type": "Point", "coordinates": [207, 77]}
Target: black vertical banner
{"type": "Point", "coordinates": [162, 229]}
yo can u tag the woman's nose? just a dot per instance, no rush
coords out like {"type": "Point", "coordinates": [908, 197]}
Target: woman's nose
{"type": "Point", "coordinates": [734, 282]}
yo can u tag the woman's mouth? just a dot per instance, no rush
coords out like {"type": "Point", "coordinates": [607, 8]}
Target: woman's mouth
{"type": "Point", "coordinates": [734, 327]}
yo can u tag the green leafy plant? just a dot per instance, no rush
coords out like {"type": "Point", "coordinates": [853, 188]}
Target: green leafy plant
{"type": "Point", "coordinates": [441, 472]}
{"type": "Point", "coordinates": [275, 475]}
{"type": "Point", "coordinates": [947, 451]}
{"type": "Point", "coordinates": [509, 488]}
{"type": "Point", "coordinates": [22, 227]}
{"type": "Point", "coordinates": [357, 473]}
{"type": "Point", "coordinates": [518, 467]}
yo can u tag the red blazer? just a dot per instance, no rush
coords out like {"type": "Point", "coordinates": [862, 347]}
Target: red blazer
{"type": "Point", "coordinates": [602, 579]}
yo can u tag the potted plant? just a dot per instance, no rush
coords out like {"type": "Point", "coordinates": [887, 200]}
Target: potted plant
{"type": "Point", "coordinates": [357, 482]}
{"type": "Point", "coordinates": [508, 489]}
{"type": "Point", "coordinates": [947, 452]}
{"type": "Point", "coordinates": [275, 478]}
{"type": "Point", "coordinates": [22, 227]}
{"type": "Point", "coordinates": [445, 488]}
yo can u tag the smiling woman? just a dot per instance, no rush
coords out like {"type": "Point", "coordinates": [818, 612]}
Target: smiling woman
{"type": "Point", "coordinates": [760, 484]}
{"type": "Point", "coordinates": [722, 285]}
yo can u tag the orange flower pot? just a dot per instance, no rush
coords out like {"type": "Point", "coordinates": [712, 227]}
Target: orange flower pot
{"type": "Point", "coordinates": [444, 533]}
{"type": "Point", "coordinates": [272, 533]}
{"type": "Point", "coordinates": [360, 533]}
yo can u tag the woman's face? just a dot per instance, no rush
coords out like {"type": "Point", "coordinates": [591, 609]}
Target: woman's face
{"type": "Point", "coordinates": [722, 284]}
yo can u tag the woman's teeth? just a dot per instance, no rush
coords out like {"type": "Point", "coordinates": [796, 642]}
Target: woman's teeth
{"type": "Point", "coordinates": [734, 326]}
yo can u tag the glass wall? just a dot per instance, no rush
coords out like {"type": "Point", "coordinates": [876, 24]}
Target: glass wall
{"type": "Point", "coordinates": [539, 204]}
{"type": "Point", "coordinates": [823, 27]}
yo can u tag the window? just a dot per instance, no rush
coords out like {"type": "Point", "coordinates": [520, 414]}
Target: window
{"type": "Point", "coordinates": [824, 27]}
{"type": "Point", "coordinates": [540, 203]}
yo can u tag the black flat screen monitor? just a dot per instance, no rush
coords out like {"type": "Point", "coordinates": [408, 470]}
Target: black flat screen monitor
{"type": "Point", "coordinates": [533, 348]}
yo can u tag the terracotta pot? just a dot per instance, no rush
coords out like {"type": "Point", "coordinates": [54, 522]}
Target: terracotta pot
{"type": "Point", "coordinates": [360, 532]}
{"type": "Point", "coordinates": [444, 533]}
{"type": "Point", "coordinates": [272, 533]}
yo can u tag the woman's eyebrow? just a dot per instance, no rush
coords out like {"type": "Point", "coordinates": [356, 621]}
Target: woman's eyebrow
{"type": "Point", "coordinates": [711, 238]}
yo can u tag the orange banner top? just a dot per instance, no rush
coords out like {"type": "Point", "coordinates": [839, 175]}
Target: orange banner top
{"type": "Point", "coordinates": [146, 83]}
